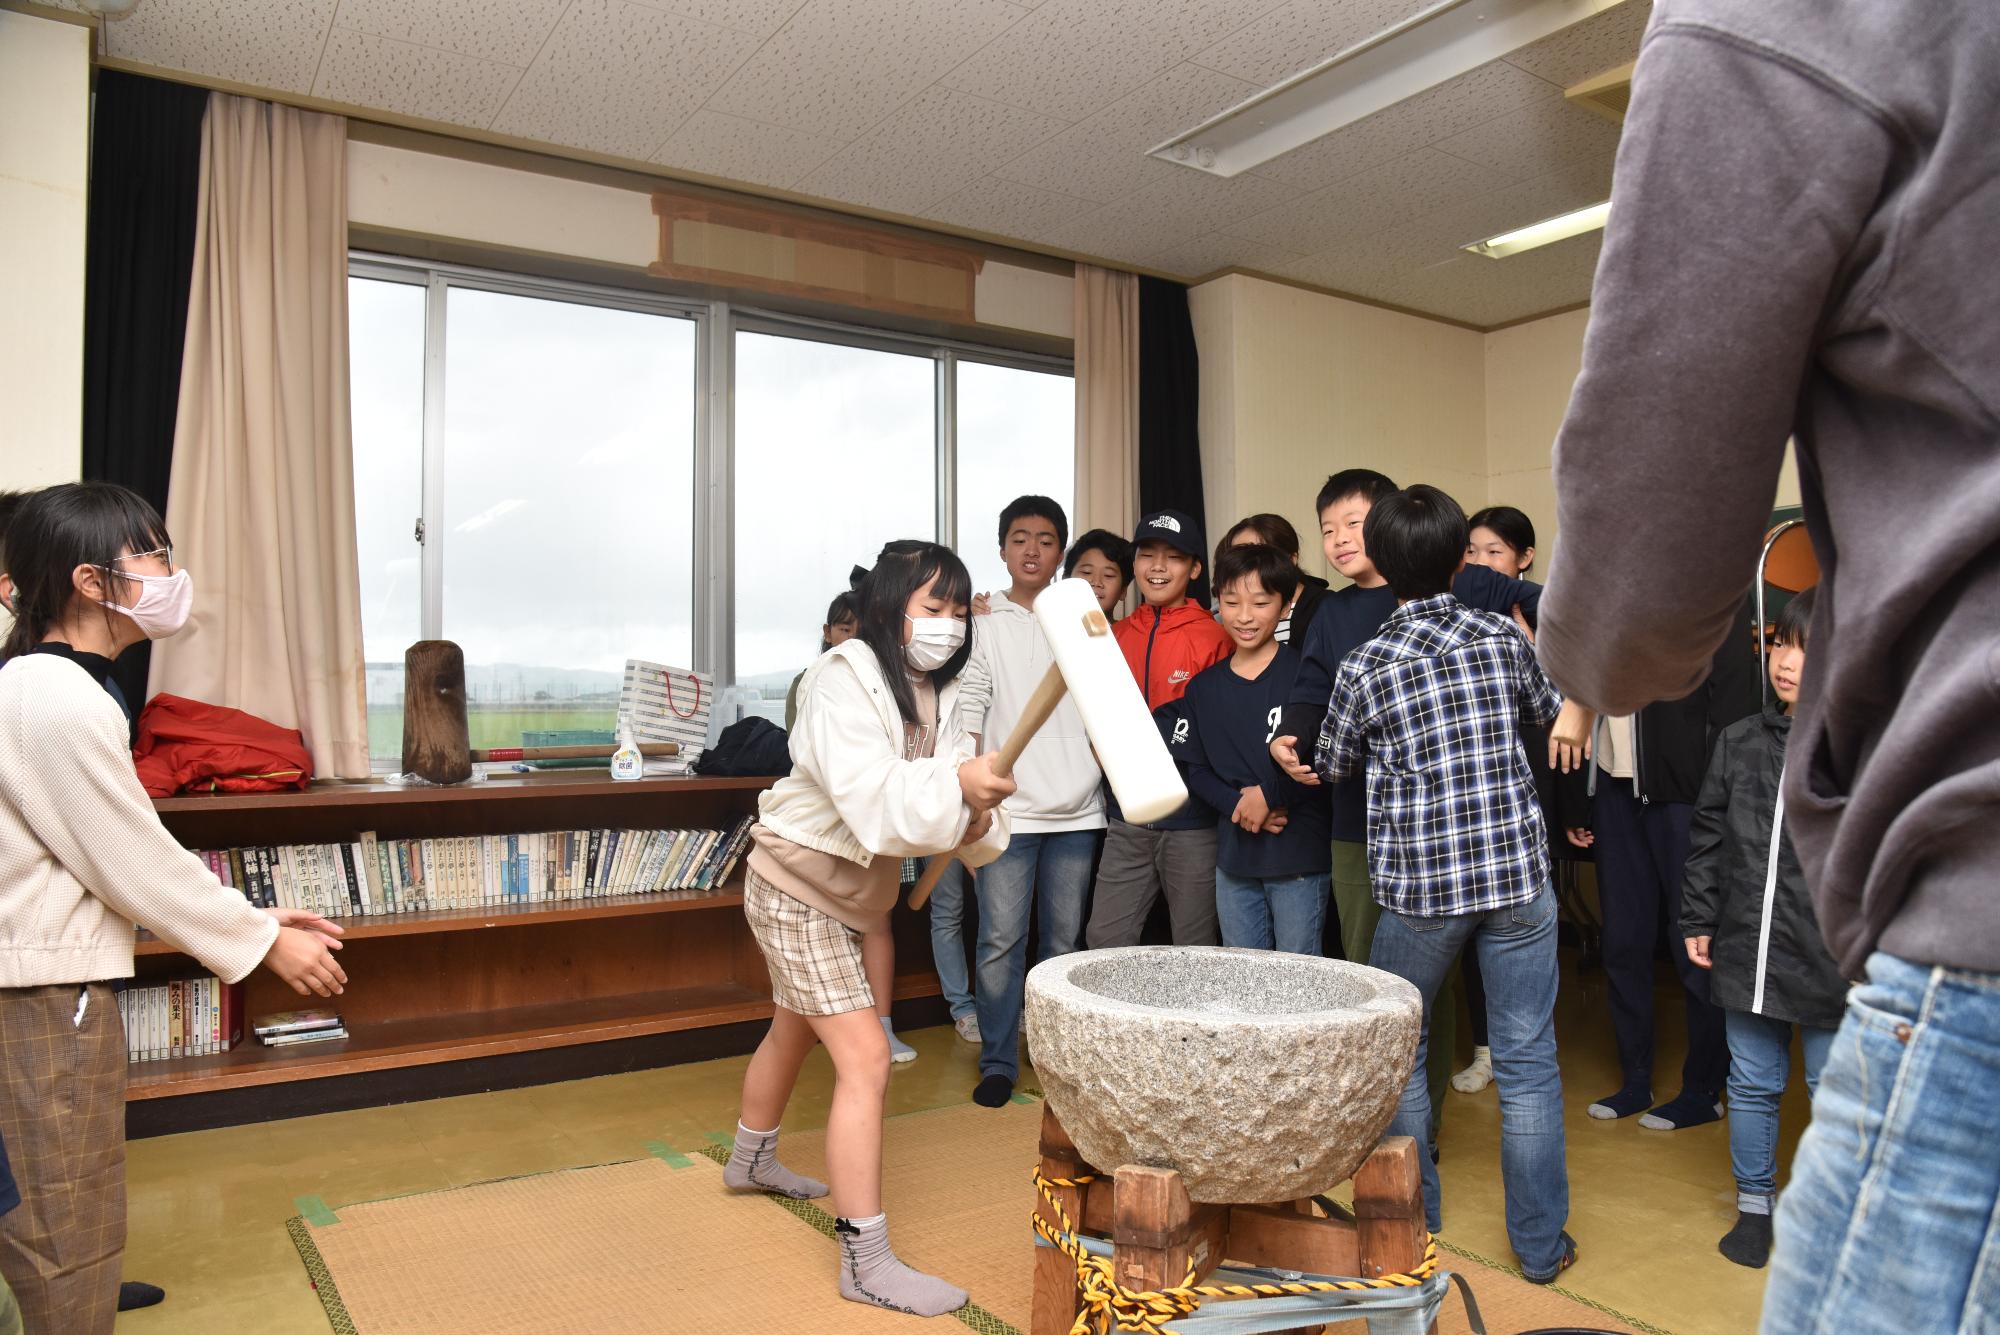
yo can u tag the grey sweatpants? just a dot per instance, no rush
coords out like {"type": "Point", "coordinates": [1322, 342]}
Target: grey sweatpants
{"type": "Point", "coordinates": [1138, 863]}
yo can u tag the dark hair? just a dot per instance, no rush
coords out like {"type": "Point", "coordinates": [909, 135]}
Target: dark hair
{"type": "Point", "coordinates": [1103, 540]}
{"type": "Point", "coordinates": [1416, 538]}
{"type": "Point", "coordinates": [1273, 567]}
{"type": "Point", "coordinates": [1795, 621]}
{"type": "Point", "coordinates": [49, 533]}
{"type": "Point", "coordinates": [1508, 524]}
{"type": "Point", "coordinates": [844, 607]}
{"type": "Point", "coordinates": [1273, 530]}
{"type": "Point", "coordinates": [1364, 482]}
{"type": "Point", "coordinates": [905, 566]}
{"type": "Point", "coordinates": [1023, 506]}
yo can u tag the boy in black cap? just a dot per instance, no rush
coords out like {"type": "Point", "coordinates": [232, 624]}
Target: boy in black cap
{"type": "Point", "coordinates": [1166, 641]}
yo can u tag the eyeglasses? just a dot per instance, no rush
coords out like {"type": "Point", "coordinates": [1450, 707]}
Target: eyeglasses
{"type": "Point", "coordinates": [164, 553]}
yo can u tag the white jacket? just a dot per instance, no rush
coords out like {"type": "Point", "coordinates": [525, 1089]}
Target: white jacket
{"type": "Point", "coordinates": [851, 793]}
{"type": "Point", "coordinates": [1061, 787]}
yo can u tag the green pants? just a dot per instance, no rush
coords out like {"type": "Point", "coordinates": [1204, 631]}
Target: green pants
{"type": "Point", "coordinates": [1354, 898]}
{"type": "Point", "coordinates": [10, 1314]}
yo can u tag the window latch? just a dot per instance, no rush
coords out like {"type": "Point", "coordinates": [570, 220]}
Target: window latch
{"type": "Point", "coordinates": [420, 532]}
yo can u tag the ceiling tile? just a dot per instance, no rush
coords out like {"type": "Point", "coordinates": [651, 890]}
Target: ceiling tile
{"type": "Point", "coordinates": [938, 144]}
{"type": "Point", "coordinates": [413, 80]}
{"type": "Point", "coordinates": [1072, 57]}
{"type": "Point", "coordinates": [509, 31]}
{"type": "Point", "coordinates": [840, 66]}
{"type": "Point", "coordinates": [1219, 250]}
{"type": "Point", "coordinates": [1008, 208]}
{"type": "Point", "coordinates": [1300, 34]}
{"type": "Point", "coordinates": [1105, 156]}
{"type": "Point", "coordinates": [745, 150]}
{"type": "Point", "coordinates": [762, 17]}
{"type": "Point", "coordinates": [620, 78]}
{"type": "Point", "coordinates": [275, 44]}
{"type": "Point", "coordinates": [1539, 138]}
{"type": "Point", "coordinates": [1591, 47]}
{"type": "Point", "coordinates": [1370, 201]}
{"type": "Point", "coordinates": [1168, 213]}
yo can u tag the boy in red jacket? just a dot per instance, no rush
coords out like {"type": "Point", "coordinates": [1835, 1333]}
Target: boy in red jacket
{"type": "Point", "coordinates": [1166, 641]}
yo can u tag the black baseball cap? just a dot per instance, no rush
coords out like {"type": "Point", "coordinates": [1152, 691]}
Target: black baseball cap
{"type": "Point", "coordinates": [1175, 529]}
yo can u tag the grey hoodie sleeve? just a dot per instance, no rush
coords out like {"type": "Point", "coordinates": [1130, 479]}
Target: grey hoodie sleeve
{"type": "Point", "coordinates": [1743, 180]}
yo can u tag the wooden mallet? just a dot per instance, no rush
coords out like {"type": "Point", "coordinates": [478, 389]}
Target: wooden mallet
{"type": "Point", "coordinates": [1089, 669]}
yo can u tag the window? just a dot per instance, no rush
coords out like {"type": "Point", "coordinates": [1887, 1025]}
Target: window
{"type": "Point", "coordinates": [543, 471]}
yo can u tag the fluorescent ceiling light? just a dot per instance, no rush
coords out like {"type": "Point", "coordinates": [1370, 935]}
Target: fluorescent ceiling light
{"type": "Point", "coordinates": [1440, 44]}
{"type": "Point", "coordinates": [1544, 233]}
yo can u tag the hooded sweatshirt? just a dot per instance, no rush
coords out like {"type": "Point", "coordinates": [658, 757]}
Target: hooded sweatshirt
{"type": "Point", "coordinates": [1060, 786]}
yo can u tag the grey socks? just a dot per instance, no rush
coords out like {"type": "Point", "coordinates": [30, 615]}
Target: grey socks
{"type": "Point", "coordinates": [753, 1166]}
{"type": "Point", "coordinates": [870, 1273]}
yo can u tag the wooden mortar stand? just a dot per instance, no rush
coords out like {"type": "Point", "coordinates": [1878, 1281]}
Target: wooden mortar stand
{"type": "Point", "coordinates": [1157, 1231]}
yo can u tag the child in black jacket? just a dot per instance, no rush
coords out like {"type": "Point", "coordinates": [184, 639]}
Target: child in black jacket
{"type": "Point", "coordinates": [1747, 919]}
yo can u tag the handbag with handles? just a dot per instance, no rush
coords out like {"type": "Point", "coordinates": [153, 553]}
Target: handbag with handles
{"type": "Point", "coordinates": [667, 704]}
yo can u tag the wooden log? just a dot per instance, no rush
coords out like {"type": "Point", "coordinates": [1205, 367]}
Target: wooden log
{"type": "Point", "coordinates": [1057, 1301]}
{"type": "Point", "coordinates": [436, 745]}
{"type": "Point", "coordinates": [1278, 1237]}
{"type": "Point", "coordinates": [1389, 1209]}
{"type": "Point", "coordinates": [1159, 1233]}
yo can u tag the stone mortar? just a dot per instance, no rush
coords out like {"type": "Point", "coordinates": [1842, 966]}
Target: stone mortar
{"type": "Point", "coordinates": [1259, 1075]}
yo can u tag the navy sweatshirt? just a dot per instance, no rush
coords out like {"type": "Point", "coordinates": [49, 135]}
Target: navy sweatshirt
{"type": "Point", "coordinates": [1223, 742]}
{"type": "Point", "coordinates": [1348, 619]}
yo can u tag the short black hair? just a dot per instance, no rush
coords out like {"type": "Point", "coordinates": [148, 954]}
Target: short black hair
{"type": "Point", "coordinates": [1795, 621]}
{"type": "Point", "coordinates": [1416, 538]}
{"type": "Point", "coordinates": [1509, 525]}
{"type": "Point", "coordinates": [1274, 568]}
{"type": "Point", "coordinates": [1275, 530]}
{"type": "Point", "coordinates": [1364, 482]}
{"type": "Point", "coordinates": [846, 606]}
{"type": "Point", "coordinates": [1118, 549]}
{"type": "Point", "coordinates": [1023, 506]}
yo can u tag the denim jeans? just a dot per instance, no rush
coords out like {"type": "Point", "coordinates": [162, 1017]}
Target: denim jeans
{"type": "Point", "coordinates": [1760, 1062]}
{"type": "Point", "coordinates": [1517, 958]}
{"type": "Point", "coordinates": [1282, 913]}
{"type": "Point", "coordinates": [1888, 1225]}
{"type": "Point", "coordinates": [947, 910]}
{"type": "Point", "coordinates": [1049, 870]}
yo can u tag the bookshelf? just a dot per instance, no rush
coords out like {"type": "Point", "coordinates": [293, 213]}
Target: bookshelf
{"type": "Point", "coordinates": [494, 987]}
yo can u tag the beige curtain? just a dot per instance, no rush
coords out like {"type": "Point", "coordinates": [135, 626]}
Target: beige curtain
{"type": "Point", "coordinates": [262, 502]}
{"type": "Point", "coordinates": [1107, 400]}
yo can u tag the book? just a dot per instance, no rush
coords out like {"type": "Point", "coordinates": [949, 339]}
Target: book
{"type": "Point", "coordinates": [307, 1036]}
{"type": "Point", "coordinates": [295, 1022]}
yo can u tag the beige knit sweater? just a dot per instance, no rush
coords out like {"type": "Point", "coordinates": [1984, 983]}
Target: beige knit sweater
{"type": "Point", "coordinates": [83, 855]}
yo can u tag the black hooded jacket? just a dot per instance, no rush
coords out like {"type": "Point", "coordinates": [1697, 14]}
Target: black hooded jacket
{"type": "Point", "coordinates": [1732, 888]}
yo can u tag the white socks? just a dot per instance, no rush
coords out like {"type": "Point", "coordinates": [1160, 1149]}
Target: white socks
{"type": "Point", "coordinates": [870, 1273]}
{"type": "Point", "coordinates": [1476, 1076]}
{"type": "Point", "coordinates": [899, 1051]}
{"type": "Point", "coordinates": [753, 1166]}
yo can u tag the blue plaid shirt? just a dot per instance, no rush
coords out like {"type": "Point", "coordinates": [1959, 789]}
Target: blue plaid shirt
{"type": "Point", "coordinates": [1434, 702]}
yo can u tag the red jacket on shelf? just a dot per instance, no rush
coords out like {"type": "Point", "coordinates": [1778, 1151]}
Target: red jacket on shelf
{"type": "Point", "coordinates": [187, 746]}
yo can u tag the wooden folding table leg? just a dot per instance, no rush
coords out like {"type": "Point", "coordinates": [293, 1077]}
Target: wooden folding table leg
{"type": "Point", "coordinates": [1056, 1298]}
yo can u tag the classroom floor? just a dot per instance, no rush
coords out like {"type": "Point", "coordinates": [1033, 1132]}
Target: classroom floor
{"type": "Point", "coordinates": [208, 1208]}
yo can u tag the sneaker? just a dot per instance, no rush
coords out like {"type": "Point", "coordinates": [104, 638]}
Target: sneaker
{"type": "Point", "coordinates": [1568, 1260]}
{"type": "Point", "coordinates": [1684, 1111]}
{"type": "Point", "coordinates": [968, 1028]}
{"type": "Point", "coordinates": [899, 1051]}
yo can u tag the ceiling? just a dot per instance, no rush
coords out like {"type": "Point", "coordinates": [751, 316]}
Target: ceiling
{"type": "Point", "coordinates": [1021, 119]}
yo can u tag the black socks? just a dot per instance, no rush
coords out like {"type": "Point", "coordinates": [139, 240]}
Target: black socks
{"type": "Point", "coordinates": [993, 1091]}
{"type": "Point", "coordinates": [1749, 1243]}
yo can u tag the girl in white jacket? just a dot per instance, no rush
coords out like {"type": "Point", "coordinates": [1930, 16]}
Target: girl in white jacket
{"type": "Point", "coordinates": [880, 772]}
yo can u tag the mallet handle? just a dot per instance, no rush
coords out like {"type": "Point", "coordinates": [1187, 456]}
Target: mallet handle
{"type": "Point", "coordinates": [587, 751]}
{"type": "Point", "coordinates": [1048, 694]}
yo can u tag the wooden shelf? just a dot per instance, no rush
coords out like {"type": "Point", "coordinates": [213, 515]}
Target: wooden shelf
{"type": "Point", "coordinates": [514, 788]}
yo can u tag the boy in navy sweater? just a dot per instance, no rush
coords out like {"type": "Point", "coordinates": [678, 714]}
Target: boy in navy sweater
{"type": "Point", "coordinates": [1271, 855]}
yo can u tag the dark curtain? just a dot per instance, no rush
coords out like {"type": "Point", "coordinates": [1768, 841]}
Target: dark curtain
{"type": "Point", "coordinates": [145, 175]}
{"type": "Point", "coordinates": [1169, 401]}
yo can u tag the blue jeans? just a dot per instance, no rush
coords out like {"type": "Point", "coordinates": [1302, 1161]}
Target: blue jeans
{"type": "Point", "coordinates": [1760, 1062]}
{"type": "Point", "coordinates": [947, 910]}
{"type": "Point", "coordinates": [1052, 870]}
{"type": "Point", "coordinates": [1888, 1226]}
{"type": "Point", "coordinates": [1517, 958]}
{"type": "Point", "coordinates": [1287, 913]}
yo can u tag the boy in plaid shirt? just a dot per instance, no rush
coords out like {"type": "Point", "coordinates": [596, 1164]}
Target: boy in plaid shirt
{"type": "Point", "coordinates": [1457, 851]}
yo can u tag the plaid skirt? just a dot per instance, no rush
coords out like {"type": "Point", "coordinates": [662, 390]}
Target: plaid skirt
{"type": "Point", "coordinates": [815, 960]}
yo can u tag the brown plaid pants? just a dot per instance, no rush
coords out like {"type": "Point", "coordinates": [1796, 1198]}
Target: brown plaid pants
{"type": "Point", "coordinates": [62, 1112]}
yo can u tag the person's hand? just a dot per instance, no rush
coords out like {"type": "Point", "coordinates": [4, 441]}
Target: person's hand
{"type": "Point", "coordinates": [1569, 736]}
{"type": "Point", "coordinates": [304, 959]}
{"type": "Point", "coordinates": [983, 789]}
{"type": "Point", "coordinates": [1251, 809]}
{"type": "Point", "coordinates": [982, 604]}
{"type": "Point", "coordinates": [307, 920]}
{"type": "Point", "coordinates": [982, 822]}
{"type": "Point", "coordinates": [1579, 837]}
{"type": "Point", "coordinates": [1698, 950]}
{"type": "Point", "coordinates": [1285, 750]}
{"type": "Point", "coordinates": [1276, 822]}
{"type": "Point", "coordinates": [1522, 622]}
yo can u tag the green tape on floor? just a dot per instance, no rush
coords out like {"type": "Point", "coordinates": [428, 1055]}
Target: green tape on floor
{"type": "Point", "coordinates": [717, 1138]}
{"type": "Point", "coordinates": [1023, 1098]}
{"type": "Point", "coordinates": [315, 1211]}
{"type": "Point", "coordinates": [673, 1158]}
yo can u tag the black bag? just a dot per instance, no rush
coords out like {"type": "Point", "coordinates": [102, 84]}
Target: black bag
{"type": "Point", "coordinates": [751, 746]}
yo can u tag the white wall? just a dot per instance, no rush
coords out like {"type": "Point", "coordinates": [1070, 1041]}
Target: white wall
{"type": "Point", "coordinates": [44, 163]}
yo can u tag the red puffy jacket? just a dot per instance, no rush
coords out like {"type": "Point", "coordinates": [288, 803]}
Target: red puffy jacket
{"type": "Point", "coordinates": [187, 746]}
{"type": "Point", "coordinates": [1165, 651]}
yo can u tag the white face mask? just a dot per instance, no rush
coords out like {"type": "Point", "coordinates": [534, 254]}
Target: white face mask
{"type": "Point", "coordinates": [164, 603]}
{"type": "Point", "coordinates": [933, 640]}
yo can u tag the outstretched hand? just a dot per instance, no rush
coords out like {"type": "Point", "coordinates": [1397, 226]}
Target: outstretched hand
{"type": "Point", "coordinates": [1285, 750]}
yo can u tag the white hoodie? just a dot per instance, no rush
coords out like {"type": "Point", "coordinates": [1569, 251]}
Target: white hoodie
{"type": "Point", "coordinates": [1060, 786]}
